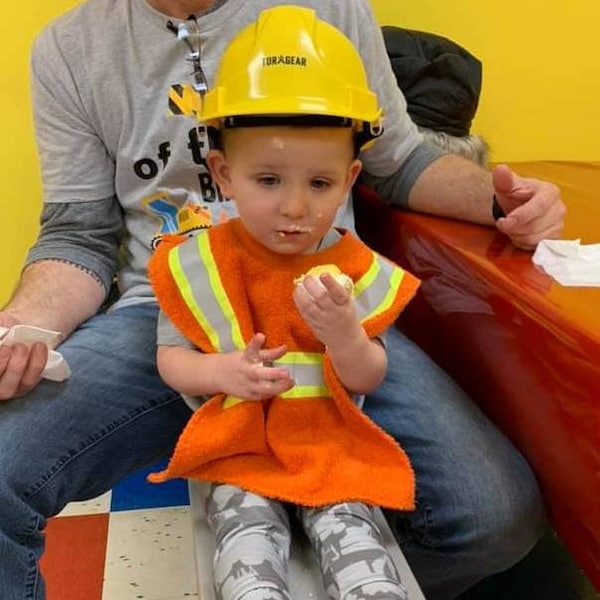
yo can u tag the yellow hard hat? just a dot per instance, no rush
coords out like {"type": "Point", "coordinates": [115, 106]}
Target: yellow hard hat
{"type": "Point", "coordinates": [289, 62]}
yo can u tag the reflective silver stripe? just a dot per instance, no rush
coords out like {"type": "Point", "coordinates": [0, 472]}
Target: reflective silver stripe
{"type": "Point", "coordinates": [306, 370]}
{"type": "Point", "coordinates": [375, 291]}
{"type": "Point", "coordinates": [197, 277]}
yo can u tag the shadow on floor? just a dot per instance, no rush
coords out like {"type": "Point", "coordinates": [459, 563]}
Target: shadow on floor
{"type": "Point", "coordinates": [547, 573]}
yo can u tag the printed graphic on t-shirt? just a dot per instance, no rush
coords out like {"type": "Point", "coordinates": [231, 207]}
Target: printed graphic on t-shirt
{"type": "Point", "coordinates": [184, 100]}
{"type": "Point", "coordinates": [177, 210]}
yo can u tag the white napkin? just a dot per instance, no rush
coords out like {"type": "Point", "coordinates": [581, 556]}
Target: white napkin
{"type": "Point", "coordinates": [569, 262]}
{"type": "Point", "coordinates": [56, 368]}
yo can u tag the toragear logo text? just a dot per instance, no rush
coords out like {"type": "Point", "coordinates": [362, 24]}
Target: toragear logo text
{"type": "Point", "coordinates": [284, 59]}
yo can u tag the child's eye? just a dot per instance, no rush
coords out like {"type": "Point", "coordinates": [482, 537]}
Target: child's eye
{"type": "Point", "coordinates": [268, 180]}
{"type": "Point", "coordinates": [319, 184]}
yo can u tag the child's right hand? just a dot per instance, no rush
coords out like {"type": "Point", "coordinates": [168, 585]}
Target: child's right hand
{"type": "Point", "coordinates": [250, 377]}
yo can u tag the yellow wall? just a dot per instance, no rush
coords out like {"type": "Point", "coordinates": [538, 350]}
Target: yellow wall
{"type": "Point", "coordinates": [20, 197]}
{"type": "Point", "coordinates": [541, 67]}
{"type": "Point", "coordinates": [541, 89]}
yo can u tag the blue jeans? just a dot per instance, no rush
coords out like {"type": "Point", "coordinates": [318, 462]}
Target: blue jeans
{"type": "Point", "coordinates": [478, 512]}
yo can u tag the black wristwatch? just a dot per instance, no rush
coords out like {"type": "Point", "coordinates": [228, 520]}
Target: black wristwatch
{"type": "Point", "coordinates": [497, 210]}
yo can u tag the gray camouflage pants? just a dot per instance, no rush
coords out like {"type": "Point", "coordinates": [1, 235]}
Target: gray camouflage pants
{"type": "Point", "coordinates": [253, 540]}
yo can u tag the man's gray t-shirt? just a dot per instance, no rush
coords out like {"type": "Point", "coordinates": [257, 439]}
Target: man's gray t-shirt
{"type": "Point", "coordinates": [104, 76]}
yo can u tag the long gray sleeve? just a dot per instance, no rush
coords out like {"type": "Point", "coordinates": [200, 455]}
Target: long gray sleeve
{"type": "Point", "coordinates": [86, 234]}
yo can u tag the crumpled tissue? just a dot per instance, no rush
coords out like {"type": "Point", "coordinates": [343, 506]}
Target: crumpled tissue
{"type": "Point", "coordinates": [56, 368]}
{"type": "Point", "coordinates": [569, 262]}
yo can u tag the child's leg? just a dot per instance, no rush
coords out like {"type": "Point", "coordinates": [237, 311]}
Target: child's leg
{"type": "Point", "coordinates": [353, 559]}
{"type": "Point", "coordinates": [253, 541]}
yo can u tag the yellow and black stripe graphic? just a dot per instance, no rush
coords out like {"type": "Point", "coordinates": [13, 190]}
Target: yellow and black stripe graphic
{"type": "Point", "coordinates": [184, 100]}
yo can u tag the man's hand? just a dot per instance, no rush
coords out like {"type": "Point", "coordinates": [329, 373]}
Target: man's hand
{"type": "Point", "coordinates": [533, 208]}
{"type": "Point", "coordinates": [21, 367]}
{"type": "Point", "coordinates": [458, 188]}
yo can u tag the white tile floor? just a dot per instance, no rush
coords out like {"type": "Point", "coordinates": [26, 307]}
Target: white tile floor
{"type": "Point", "coordinates": [158, 547]}
{"type": "Point", "coordinates": [148, 545]}
{"type": "Point", "coordinates": [150, 554]}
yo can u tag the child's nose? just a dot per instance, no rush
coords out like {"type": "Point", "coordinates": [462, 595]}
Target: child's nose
{"type": "Point", "coordinates": [294, 203]}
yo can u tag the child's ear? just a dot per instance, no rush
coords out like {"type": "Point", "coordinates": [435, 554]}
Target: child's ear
{"type": "Point", "coordinates": [219, 170]}
{"type": "Point", "coordinates": [354, 170]}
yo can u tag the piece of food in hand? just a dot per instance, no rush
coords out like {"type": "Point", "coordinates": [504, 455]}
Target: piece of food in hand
{"type": "Point", "coordinates": [333, 270]}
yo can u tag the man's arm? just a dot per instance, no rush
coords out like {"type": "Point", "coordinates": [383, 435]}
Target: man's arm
{"type": "Point", "coordinates": [67, 277]}
{"type": "Point", "coordinates": [455, 187]}
{"type": "Point", "coordinates": [433, 182]}
{"type": "Point", "coordinates": [55, 295]}
{"type": "Point", "coordinates": [409, 173]}
{"type": "Point", "coordinates": [69, 269]}
{"type": "Point", "coordinates": [451, 186]}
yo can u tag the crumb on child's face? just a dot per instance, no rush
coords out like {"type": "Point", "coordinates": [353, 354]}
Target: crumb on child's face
{"type": "Point", "coordinates": [287, 182]}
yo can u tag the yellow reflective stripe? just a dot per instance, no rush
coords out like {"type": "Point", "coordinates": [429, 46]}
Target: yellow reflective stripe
{"type": "Point", "coordinates": [367, 279]}
{"type": "Point", "coordinates": [376, 289]}
{"type": "Point", "coordinates": [307, 392]}
{"type": "Point", "coordinates": [296, 393]}
{"type": "Point", "coordinates": [185, 289]}
{"type": "Point", "coordinates": [233, 400]}
{"type": "Point", "coordinates": [306, 369]}
{"type": "Point", "coordinates": [301, 358]}
{"type": "Point", "coordinates": [194, 270]}
{"type": "Point", "coordinates": [388, 299]}
{"type": "Point", "coordinates": [219, 292]}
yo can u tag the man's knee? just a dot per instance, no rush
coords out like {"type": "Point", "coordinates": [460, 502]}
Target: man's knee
{"type": "Point", "coordinates": [499, 526]}
{"type": "Point", "coordinates": [515, 527]}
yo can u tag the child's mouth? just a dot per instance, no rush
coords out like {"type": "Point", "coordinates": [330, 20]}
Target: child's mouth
{"type": "Point", "coordinates": [293, 231]}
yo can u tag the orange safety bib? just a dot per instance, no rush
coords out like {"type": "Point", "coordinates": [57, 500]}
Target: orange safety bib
{"type": "Point", "coordinates": [312, 445]}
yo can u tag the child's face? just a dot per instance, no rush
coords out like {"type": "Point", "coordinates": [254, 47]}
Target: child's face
{"type": "Point", "coordinates": [287, 182]}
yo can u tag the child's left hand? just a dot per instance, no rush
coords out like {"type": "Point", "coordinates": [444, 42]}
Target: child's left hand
{"type": "Point", "coordinates": [327, 308]}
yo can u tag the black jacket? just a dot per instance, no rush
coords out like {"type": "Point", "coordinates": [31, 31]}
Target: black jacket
{"type": "Point", "coordinates": [440, 80]}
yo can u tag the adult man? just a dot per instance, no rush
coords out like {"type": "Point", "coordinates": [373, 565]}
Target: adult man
{"type": "Point", "coordinates": [118, 172]}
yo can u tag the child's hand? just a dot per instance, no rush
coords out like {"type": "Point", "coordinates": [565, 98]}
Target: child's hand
{"type": "Point", "coordinates": [327, 308]}
{"type": "Point", "coordinates": [250, 377]}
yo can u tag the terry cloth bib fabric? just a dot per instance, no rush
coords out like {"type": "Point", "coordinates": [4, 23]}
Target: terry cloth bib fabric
{"type": "Point", "coordinates": [311, 445]}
